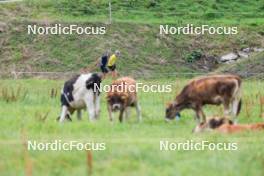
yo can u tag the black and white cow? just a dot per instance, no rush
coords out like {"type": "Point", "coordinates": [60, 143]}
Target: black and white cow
{"type": "Point", "coordinates": [81, 92]}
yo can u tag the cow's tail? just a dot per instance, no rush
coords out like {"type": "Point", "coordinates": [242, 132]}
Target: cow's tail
{"type": "Point", "coordinates": [238, 96]}
{"type": "Point", "coordinates": [239, 107]}
{"type": "Point", "coordinates": [64, 99]}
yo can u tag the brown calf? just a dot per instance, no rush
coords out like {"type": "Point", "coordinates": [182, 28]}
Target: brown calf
{"type": "Point", "coordinates": [224, 125]}
{"type": "Point", "coordinates": [214, 90]}
{"type": "Point", "coordinates": [226, 128]}
{"type": "Point", "coordinates": [122, 96]}
{"type": "Point", "coordinates": [212, 124]}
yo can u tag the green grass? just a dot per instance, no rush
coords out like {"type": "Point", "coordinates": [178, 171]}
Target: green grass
{"type": "Point", "coordinates": [151, 11]}
{"type": "Point", "coordinates": [135, 32]}
{"type": "Point", "coordinates": [131, 148]}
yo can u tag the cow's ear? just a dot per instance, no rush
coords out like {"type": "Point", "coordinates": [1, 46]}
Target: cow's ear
{"type": "Point", "coordinates": [215, 123]}
{"type": "Point", "coordinates": [168, 104]}
{"type": "Point", "coordinates": [89, 83]}
{"type": "Point", "coordinates": [108, 98]}
{"type": "Point", "coordinates": [109, 95]}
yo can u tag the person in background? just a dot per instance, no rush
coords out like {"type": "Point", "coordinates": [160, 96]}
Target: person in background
{"type": "Point", "coordinates": [112, 63]}
{"type": "Point", "coordinates": [103, 63]}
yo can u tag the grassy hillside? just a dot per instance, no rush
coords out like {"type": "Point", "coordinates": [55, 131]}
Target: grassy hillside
{"type": "Point", "coordinates": [135, 31]}
{"type": "Point", "coordinates": [248, 67]}
{"type": "Point", "coordinates": [154, 11]}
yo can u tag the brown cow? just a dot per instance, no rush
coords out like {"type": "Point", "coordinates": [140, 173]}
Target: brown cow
{"type": "Point", "coordinates": [224, 125]}
{"type": "Point", "coordinates": [122, 96]}
{"type": "Point", "coordinates": [214, 90]}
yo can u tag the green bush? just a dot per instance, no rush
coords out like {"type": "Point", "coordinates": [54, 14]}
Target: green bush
{"type": "Point", "coordinates": [151, 3]}
{"type": "Point", "coordinates": [193, 56]}
{"type": "Point", "coordinates": [212, 15]}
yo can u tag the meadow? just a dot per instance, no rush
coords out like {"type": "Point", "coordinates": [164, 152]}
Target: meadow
{"type": "Point", "coordinates": [30, 112]}
{"type": "Point", "coordinates": [29, 107]}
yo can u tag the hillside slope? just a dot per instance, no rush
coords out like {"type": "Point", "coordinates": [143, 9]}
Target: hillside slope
{"type": "Point", "coordinates": [144, 50]}
{"type": "Point", "coordinates": [153, 11]}
{"type": "Point", "coordinates": [248, 67]}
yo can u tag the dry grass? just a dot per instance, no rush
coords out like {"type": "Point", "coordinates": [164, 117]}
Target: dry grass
{"type": "Point", "coordinates": [53, 93]}
{"type": "Point", "coordinates": [89, 163]}
{"type": "Point", "coordinates": [261, 106]}
{"type": "Point", "coordinates": [28, 165]}
{"type": "Point", "coordinates": [9, 94]}
{"type": "Point", "coordinates": [40, 116]}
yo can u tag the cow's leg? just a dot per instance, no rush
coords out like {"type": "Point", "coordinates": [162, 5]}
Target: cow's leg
{"type": "Point", "coordinates": [236, 103]}
{"type": "Point", "coordinates": [199, 113]}
{"type": "Point", "coordinates": [197, 117]}
{"type": "Point", "coordinates": [235, 106]}
{"type": "Point", "coordinates": [68, 117]}
{"type": "Point", "coordinates": [69, 113]}
{"type": "Point", "coordinates": [121, 115]}
{"type": "Point", "coordinates": [110, 113]}
{"type": "Point", "coordinates": [138, 108]}
{"type": "Point", "coordinates": [79, 114]}
{"type": "Point", "coordinates": [127, 112]}
{"type": "Point", "coordinates": [64, 112]}
{"type": "Point", "coordinates": [90, 106]}
{"type": "Point", "coordinates": [227, 108]}
{"type": "Point", "coordinates": [97, 106]}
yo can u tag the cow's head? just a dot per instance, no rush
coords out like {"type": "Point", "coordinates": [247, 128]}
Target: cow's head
{"type": "Point", "coordinates": [211, 124]}
{"type": "Point", "coordinates": [117, 102]}
{"type": "Point", "coordinates": [94, 82]}
{"type": "Point", "coordinates": [172, 111]}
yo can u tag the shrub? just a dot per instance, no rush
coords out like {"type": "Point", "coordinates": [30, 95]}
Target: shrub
{"type": "Point", "coordinates": [151, 4]}
{"type": "Point", "coordinates": [212, 15]}
{"type": "Point", "coordinates": [194, 56]}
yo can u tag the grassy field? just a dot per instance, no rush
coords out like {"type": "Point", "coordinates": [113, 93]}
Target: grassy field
{"type": "Point", "coordinates": [29, 107]}
{"type": "Point", "coordinates": [131, 148]}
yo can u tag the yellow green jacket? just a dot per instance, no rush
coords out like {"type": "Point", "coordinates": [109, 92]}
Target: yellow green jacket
{"type": "Point", "coordinates": [112, 60]}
